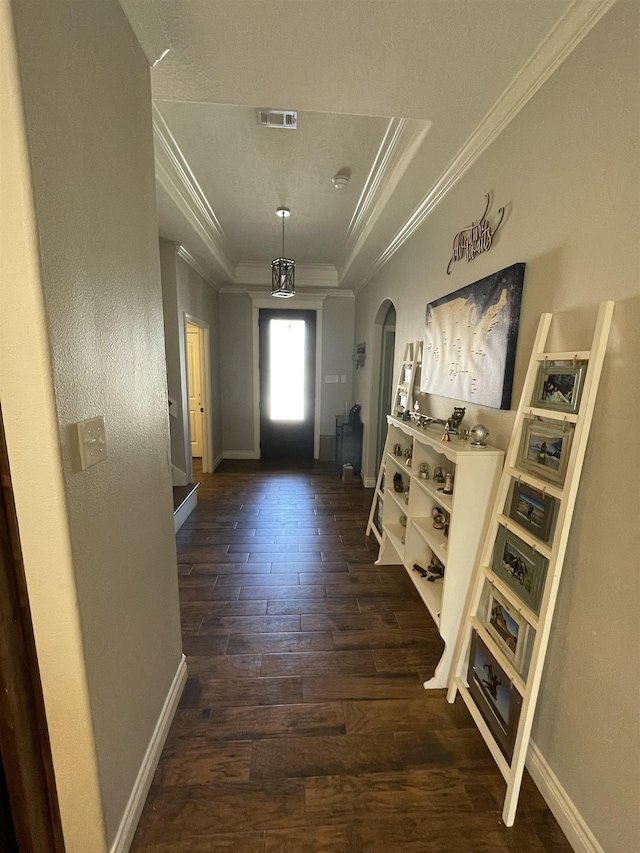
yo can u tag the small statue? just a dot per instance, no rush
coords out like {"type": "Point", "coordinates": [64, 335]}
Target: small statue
{"type": "Point", "coordinates": [397, 450]}
{"type": "Point", "coordinates": [438, 521]}
{"type": "Point", "coordinates": [448, 485]}
{"type": "Point", "coordinates": [438, 475]}
{"type": "Point", "coordinates": [423, 471]}
{"type": "Point", "coordinates": [398, 485]}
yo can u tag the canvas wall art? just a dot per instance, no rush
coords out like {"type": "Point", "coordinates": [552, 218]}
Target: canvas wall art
{"type": "Point", "coordinates": [470, 340]}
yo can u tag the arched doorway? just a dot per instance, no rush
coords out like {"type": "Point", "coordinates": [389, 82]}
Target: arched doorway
{"type": "Point", "coordinates": [385, 387]}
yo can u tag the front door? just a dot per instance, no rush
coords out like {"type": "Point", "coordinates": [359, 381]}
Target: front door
{"type": "Point", "coordinates": [287, 383]}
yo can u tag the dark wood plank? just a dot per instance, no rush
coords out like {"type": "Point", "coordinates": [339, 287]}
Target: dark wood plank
{"type": "Point", "coordinates": [323, 756]}
{"type": "Point", "coordinates": [301, 641]}
{"type": "Point", "coordinates": [318, 663]}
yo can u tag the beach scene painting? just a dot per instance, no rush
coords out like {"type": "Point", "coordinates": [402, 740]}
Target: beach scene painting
{"type": "Point", "coordinates": [504, 625]}
{"type": "Point", "coordinates": [530, 510]}
{"type": "Point", "coordinates": [470, 340]}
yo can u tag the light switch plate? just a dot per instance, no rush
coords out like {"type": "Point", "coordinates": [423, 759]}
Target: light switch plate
{"type": "Point", "coordinates": [330, 379]}
{"type": "Point", "coordinates": [92, 442]}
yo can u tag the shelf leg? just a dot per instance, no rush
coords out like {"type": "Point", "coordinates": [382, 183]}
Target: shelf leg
{"type": "Point", "coordinates": [441, 675]}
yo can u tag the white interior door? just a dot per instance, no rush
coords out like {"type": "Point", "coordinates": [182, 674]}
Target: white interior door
{"type": "Point", "coordinates": [194, 378]}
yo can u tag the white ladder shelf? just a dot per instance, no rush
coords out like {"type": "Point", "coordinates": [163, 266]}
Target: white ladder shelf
{"type": "Point", "coordinates": [525, 678]}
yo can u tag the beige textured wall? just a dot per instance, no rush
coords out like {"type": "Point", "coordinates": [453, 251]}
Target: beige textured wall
{"type": "Point", "coordinates": [87, 105]}
{"type": "Point", "coordinates": [568, 168]}
{"type": "Point", "coordinates": [199, 300]}
{"type": "Point", "coordinates": [184, 291]}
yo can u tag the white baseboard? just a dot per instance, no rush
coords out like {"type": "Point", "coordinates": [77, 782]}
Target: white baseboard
{"type": "Point", "coordinates": [133, 810]}
{"type": "Point", "coordinates": [217, 461]}
{"type": "Point", "coordinates": [562, 807]}
{"type": "Point", "coordinates": [185, 510]}
{"type": "Point", "coordinates": [178, 477]}
{"type": "Point", "coordinates": [369, 482]}
{"type": "Point", "coordinates": [240, 454]}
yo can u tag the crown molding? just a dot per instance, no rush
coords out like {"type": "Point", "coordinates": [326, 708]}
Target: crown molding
{"type": "Point", "coordinates": [307, 275]}
{"type": "Point", "coordinates": [188, 258]}
{"type": "Point", "coordinates": [399, 145]}
{"type": "Point", "coordinates": [147, 28]}
{"type": "Point", "coordinates": [176, 178]}
{"type": "Point", "coordinates": [559, 42]}
{"type": "Point", "coordinates": [309, 294]}
{"type": "Point", "coordinates": [263, 299]}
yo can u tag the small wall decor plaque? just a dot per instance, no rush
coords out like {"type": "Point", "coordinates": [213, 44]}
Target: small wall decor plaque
{"type": "Point", "coordinates": [476, 238]}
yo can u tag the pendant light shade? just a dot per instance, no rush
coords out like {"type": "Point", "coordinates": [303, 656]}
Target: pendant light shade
{"type": "Point", "coordinates": [283, 269]}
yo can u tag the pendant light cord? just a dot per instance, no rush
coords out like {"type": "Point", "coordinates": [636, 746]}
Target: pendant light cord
{"type": "Point", "coordinates": [283, 218]}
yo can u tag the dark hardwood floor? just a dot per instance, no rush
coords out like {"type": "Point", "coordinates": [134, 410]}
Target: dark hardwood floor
{"type": "Point", "coordinates": [304, 726]}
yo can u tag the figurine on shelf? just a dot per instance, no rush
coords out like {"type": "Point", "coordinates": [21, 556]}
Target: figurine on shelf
{"type": "Point", "coordinates": [398, 485]}
{"type": "Point", "coordinates": [397, 450]}
{"type": "Point", "coordinates": [403, 520]}
{"type": "Point", "coordinates": [436, 569]}
{"type": "Point", "coordinates": [422, 572]}
{"type": "Point", "coordinates": [463, 434]}
{"type": "Point", "coordinates": [438, 519]}
{"type": "Point", "coordinates": [455, 419]}
{"type": "Point", "coordinates": [407, 457]}
{"type": "Point", "coordinates": [423, 471]}
{"type": "Point", "coordinates": [448, 485]}
{"type": "Point", "coordinates": [406, 495]}
{"type": "Point", "coordinates": [438, 475]}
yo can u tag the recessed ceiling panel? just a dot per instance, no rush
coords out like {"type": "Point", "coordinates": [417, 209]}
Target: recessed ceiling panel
{"type": "Point", "coordinates": [246, 171]}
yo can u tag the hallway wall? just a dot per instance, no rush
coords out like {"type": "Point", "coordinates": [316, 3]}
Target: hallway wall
{"type": "Point", "coordinates": [184, 291]}
{"type": "Point", "coordinates": [101, 572]}
{"type": "Point", "coordinates": [567, 167]}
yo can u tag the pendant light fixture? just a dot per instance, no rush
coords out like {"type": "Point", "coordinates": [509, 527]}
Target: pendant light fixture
{"type": "Point", "coordinates": [283, 269]}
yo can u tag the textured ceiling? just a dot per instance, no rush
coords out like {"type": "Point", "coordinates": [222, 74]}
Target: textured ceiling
{"type": "Point", "coordinates": [348, 66]}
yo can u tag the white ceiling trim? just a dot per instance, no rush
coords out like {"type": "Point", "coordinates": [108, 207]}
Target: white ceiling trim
{"type": "Point", "coordinates": [260, 299]}
{"type": "Point", "coordinates": [176, 178]}
{"type": "Point", "coordinates": [307, 275]}
{"type": "Point", "coordinates": [400, 143]}
{"type": "Point", "coordinates": [561, 40]}
{"type": "Point", "coordinates": [147, 28]}
{"type": "Point", "coordinates": [188, 258]}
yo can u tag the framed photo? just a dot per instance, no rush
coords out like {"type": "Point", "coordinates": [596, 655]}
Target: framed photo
{"type": "Point", "coordinates": [520, 566]}
{"type": "Point", "coordinates": [559, 387]}
{"type": "Point", "coordinates": [545, 449]}
{"type": "Point", "coordinates": [507, 627]}
{"type": "Point", "coordinates": [496, 698]}
{"type": "Point", "coordinates": [532, 509]}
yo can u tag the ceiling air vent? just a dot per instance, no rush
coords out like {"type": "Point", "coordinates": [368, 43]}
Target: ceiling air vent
{"type": "Point", "coordinates": [287, 119]}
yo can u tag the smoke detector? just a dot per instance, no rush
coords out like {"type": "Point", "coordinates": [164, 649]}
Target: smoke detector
{"type": "Point", "coordinates": [286, 119]}
{"type": "Point", "coordinates": [341, 178]}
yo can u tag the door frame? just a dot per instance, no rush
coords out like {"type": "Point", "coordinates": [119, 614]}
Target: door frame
{"type": "Point", "coordinates": [205, 380]}
{"type": "Point", "coordinates": [306, 302]}
{"type": "Point", "coordinates": [370, 438]}
{"type": "Point", "coordinates": [24, 734]}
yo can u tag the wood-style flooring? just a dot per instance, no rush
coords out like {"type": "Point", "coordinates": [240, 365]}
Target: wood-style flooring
{"type": "Point", "coordinates": [304, 726]}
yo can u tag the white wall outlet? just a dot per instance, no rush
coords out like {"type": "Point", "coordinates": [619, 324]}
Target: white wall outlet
{"type": "Point", "coordinates": [92, 442]}
{"type": "Point", "coordinates": [343, 379]}
{"type": "Point", "coordinates": [330, 379]}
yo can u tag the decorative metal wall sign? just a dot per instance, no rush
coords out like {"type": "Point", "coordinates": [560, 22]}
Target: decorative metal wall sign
{"type": "Point", "coordinates": [475, 239]}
